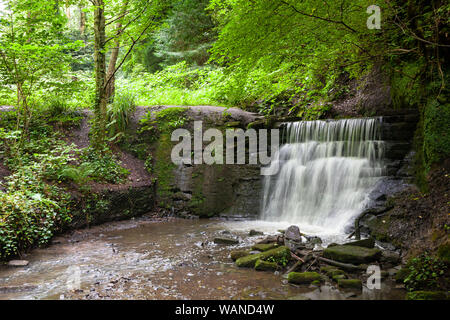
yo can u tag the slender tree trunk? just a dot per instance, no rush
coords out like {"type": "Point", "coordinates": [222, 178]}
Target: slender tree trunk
{"type": "Point", "coordinates": [110, 89]}
{"type": "Point", "coordinates": [82, 20]}
{"type": "Point", "coordinates": [100, 74]}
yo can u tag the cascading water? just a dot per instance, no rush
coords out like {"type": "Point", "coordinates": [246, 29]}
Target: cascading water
{"type": "Point", "coordinates": [326, 171]}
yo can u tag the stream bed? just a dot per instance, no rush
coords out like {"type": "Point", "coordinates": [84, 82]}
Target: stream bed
{"type": "Point", "coordinates": [146, 258]}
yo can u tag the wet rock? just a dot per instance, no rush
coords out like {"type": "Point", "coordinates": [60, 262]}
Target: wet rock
{"type": "Point", "coordinates": [225, 241]}
{"type": "Point", "coordinates": [352, 254]}
{"type": "Point", "coordinates": [315, 240]}
{"type": "Point", "coordinates": [295, 245]}
{"type": "Point", "coordinates": [303, 277]}
{"type": "Point", "coordinates": [236, 254]}
{"type": "Point", "coordinates": [12, 289]}
{"type": "Point", "coordinates": [350, 284]}
{"type": "Point", "coordinates": [262, 265]}
{"type": "Point", "coordinates": [269, 239]}
{"type": "Point", "coordinates": [277, 253]}
{"type": "Point", "coordinates": [293, 233]}
{"type": "Point", "coordinates": [339, 277]}
{"type": "Point", "coordinates": [333, 244]}
{"type": "Point", "coordinates": [18, 263]}
{"type": "Point", "coordinates": [391, 257]}
{"type": "Point", "coordinates": [253, 233]}
{"type": "Point", "coordinates": [331, 271]}
{"type": "Point", "coordinates": [366, 243]}
{"type": "Point", "coordinates": [426, 295]}
{"type": "Point", "coordinates": [264, 246]}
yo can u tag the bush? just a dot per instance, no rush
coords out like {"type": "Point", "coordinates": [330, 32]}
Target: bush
{"type": "Point", "coordinates": [426, 273]}
{"type": "Point", "coordinates": [119, 114]}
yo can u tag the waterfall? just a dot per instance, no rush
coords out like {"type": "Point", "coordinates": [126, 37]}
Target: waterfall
{"type": "Point", "coordinates": [326, 170]}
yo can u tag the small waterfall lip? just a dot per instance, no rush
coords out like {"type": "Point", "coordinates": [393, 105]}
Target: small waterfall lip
{"type": "Point", "coordinates": [327, 169]}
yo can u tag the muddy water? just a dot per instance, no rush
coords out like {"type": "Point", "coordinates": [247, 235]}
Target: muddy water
{"type": "Point", "coordinates": [144, 259]}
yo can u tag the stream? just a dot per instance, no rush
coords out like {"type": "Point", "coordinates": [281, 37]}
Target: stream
{"type": "Point", "coordinates": [146, 258]}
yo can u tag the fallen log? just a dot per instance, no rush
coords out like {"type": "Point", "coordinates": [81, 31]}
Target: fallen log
{"type": "Point", "coordinates": [347, 266]}
{"type": "Point", "coordinates": [293, 268]}
{"type": "Point", "coordinates": [293, 255]}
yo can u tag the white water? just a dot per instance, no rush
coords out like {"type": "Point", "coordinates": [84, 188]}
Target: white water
{"type": "Point", "coordinates": [326, 171]}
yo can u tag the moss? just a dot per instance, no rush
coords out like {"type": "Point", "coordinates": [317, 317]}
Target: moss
{"type": "Point", "coordinates": [262, 265]}
{"type": "Point", "coordinates": [352, 254]}
{"type": "Point", "coordinates": [277, 253]}
{"type": "Point", "coordinates": [264, 246]}
{"type": "Point", "coordinates": [236, 254]}
{"type": "Point", "coordinates": [350, 283]}
{"type": "Point", "coordinates": [303, 277]}
{"type": "Point", "coordinates": [164, 167]}
{"type": "Point", "coordinates": [444, 252]}
{"type": "Point", "coordinates": [227, 241]}
{"type": "Point", "coordinates": [338, 277]}
{"type": "Point", "coordinates": [426, 295]}
{"type": "Point", "coordinates": [366, 243]}
{"type": "Point", "coordinates": [331, 271]}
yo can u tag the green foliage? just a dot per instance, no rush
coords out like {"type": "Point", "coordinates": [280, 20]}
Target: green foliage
{"type": "Point", "coordinates": [436, 132]}
{"type": "Point", "coordinates": [186, 35]}
{"type": "Point", "coordinates": [426, 272]}
{"type": "Point", "coordinates": [164, 120]}
{"type": "Point", "coordinates": [102, 166]}
{"type": "Point", "coordinates": [119, 113]}
{"type": "Point", "coordinates": [279, 260]}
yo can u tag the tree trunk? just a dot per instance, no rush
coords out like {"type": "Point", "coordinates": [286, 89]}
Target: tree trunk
{"type": "Point", "coordinates": [110, 77]}
{"type": "Point", "coordinates": [82, 20]}
{"type": "Point", "coordinates": [100, 73]}
{"type": "Point", "coordinates": [110, 88]}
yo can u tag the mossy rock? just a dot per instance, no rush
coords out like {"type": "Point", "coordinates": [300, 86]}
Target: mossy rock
{"type": "Point", "coordinates": [253, 233]}
{"type": "Point", "coordinates": [352, 254]}
{"type": "Point", "coordinates": [426, 295]}
{"type": "Point", "coordinates": [264, 246]}
{"type": "Point", "coordinates": [262, 265]}
{"type": "Point", "coordinates": [338, 277]}
{"type": "Point", "coordinates": [401, 275]}
{"type": "Point", "coordinates": [331, 271]}
{"type": "Point", "coordinates": [236, 254]}
{"type": "Point", "coordinates": [250, 260]}
{"type": "Point", "coordinates": [303, 277]}
{"type": "Point", "coordinates": [226, 241]}
{"type": "Point", "coordinates": [444, 252]}
{"type": "Point", "coordinates": [366, 243]}
{"type": "Point", "coordinates": [350, 284]}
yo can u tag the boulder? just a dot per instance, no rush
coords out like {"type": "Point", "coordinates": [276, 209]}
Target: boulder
{"type": "Point", "coordinates": [352, 254]}
{"type": "Point", "coordinates": [253, 233]}
{"type": "Point", "coordinates": [338, 277]}
{"type": "Point", "coordinates": [303, 277]}
{"type": "Point", "coordinates": [250, 260]}
{"type": "Point", "coordinates": [391, 257]}
{"type": "Point", "coordinates": [293, 233]}
{"type": "Point", "coordinates": [18, 263]}
{"type": "Point", "coordinates": [350, 284]}
{"type": "Point", "coordinates": [264, 246]}
{"type": "Point", "coordinates": [262, 265]}
{"type": "Point", "coordinates": [236, 254]}
{"type": "Point", "coordinates": [366, 243]}
{"type": "Point", "coordinates": [293, 244]}
{"type": "Point", "coordinates": [226, 241]}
